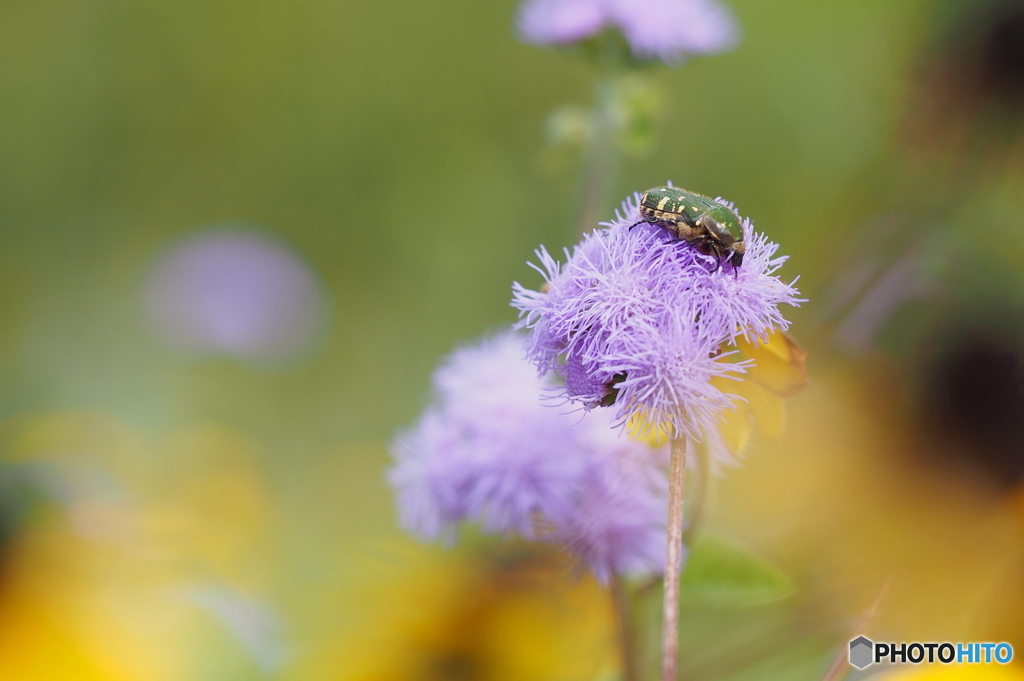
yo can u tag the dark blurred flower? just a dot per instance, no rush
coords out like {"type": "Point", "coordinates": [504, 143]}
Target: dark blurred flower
{"type": "Point", "coordinates": [973, 408]}
{"type": "Point", "coordinates": [984, 58]}
{"type": "Point", "coordinates": [1001, 67]}
{"type": "Point", "coordinates": [644, 323]}
{"type": "Point", "coordinates": [668, 30]}
{"type": "Point", "coordinates": [970, 97]}
{"type": "Point", "coordinates": [488, 450]}
{"type": "Point", "coordinates": [236, 292]}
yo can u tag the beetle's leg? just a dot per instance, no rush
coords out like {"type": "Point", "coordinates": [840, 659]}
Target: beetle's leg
{"type": "Point", "coordinates": [640, 222]}
{"type": "Point", "coordinates": [718, 256]}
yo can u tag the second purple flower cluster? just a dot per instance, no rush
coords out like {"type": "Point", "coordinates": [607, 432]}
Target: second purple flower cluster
{"type": "Point", "coordinates": [487, 450]}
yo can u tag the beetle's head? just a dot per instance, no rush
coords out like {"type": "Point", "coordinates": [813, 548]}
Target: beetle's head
{"type": "Point", "coordinates": [738, 249]}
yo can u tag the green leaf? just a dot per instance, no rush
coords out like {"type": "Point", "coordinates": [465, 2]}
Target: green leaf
{"type": "Point", "coordinates": [724, 572]}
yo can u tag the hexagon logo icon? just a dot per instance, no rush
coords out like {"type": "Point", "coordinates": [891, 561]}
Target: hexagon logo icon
{"type": "Point", "coordinates": [861, 649]}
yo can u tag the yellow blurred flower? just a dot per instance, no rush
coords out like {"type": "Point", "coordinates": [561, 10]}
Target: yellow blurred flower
{"type": "Point", "coordinates": [130, 557]}
{"type": "Point", "coordinates": [511, 614]}
{"type": "Point", "coordinates": [967, 672]}
{"type": "Point", "coordinates": [69, 610]}
{"type": "Point", "coordinates": [840, 504]}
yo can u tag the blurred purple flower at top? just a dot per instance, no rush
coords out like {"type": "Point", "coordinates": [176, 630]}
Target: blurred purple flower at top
{"type": "Point", "coordinates": [644, 323]}
{"type": "Point", "coordinates": [235, 292]}
{"type": "Point", "coordinates": [669, 30]}
{"type": "Point", "coordinates": [487, 450]}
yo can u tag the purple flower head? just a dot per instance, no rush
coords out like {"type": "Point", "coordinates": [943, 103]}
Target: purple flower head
{"type": "Point", "coordinates": [669, 30]}
{"type": "Point", "coordinates": [487, 450]}
{"type": "Point", "coordinates": [639, 321]}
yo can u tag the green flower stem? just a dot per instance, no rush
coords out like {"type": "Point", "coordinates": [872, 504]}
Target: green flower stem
{"type": "Point", "coordinates": [670, 608]}
{"type": "Point", "coordinates": [622, 602]}
{"type": "Point", "coordinates": [602, 156]}
{"type": "Point", "coordinates": [840, 667]}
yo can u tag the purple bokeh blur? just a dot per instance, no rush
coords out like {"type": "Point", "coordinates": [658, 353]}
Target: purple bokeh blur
{"type": "Point", "coordinates": [667, 30]}
{"type": "Point", "coordinates": [234, 291]}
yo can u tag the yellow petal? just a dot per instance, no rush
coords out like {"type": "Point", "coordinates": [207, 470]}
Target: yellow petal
{"type": "Point", "coordinates": [734, 425]}
{"type": "Point", "coordinates": [638, 428]}
{"type": "Point", "coordinates": [780, 365]}
{"type": "Point", "coordinates": [735, 429]}
{"type": "Point", "coordinates": [761, 407]}
{"type": "Point", "coordinates": [768, 409]}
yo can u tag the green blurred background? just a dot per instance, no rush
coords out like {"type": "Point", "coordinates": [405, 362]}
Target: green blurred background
{"type": "Point", "coordinates": [395, 146]}
{"type": "Point", "coordinates": [399, 150]}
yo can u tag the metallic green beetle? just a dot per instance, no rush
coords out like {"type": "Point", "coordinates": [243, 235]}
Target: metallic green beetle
{"type": "Point", "coordinates": [712, 228]}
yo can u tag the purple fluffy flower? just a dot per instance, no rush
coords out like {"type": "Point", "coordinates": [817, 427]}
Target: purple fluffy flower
{"type": "Point", "coordinates": [617, 525]}
{"type": "Point", "coordinates": [487, 450]}
{"type": "Point", "coordinates": [642, 322]}
{"type": "Point", "coordinates": [669, 30]}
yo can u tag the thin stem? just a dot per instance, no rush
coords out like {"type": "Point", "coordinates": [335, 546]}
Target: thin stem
{"type": "Point", "coordinates": [670, 624]}
{"type": "Point", "coordinates": [601, 157]}
{"type": "Point", "coordinates": [624, 618]}
{"type": "Point", "coordinates": [695, 510]}
{"type": "Point", "coordinates": [839, 667]}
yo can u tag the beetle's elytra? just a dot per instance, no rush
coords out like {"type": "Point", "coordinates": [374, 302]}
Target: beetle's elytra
{"type": "Point", "coordinates": [714, 229]}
